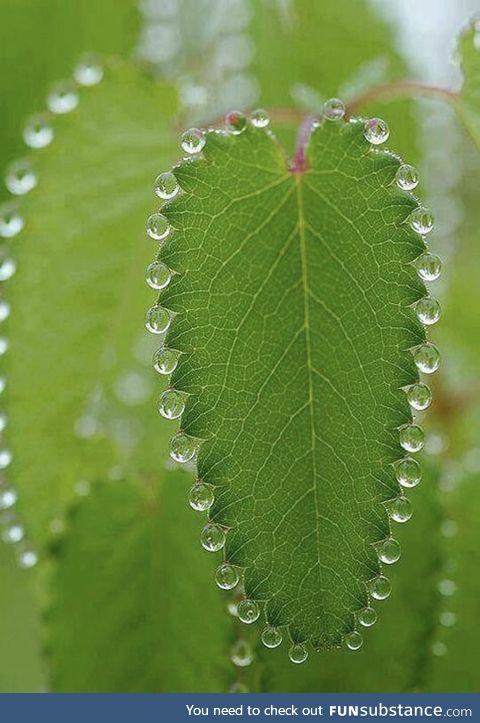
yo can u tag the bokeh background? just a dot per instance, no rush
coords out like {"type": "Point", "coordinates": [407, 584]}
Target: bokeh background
{"type": "Point", "coordinates": [102, 585]}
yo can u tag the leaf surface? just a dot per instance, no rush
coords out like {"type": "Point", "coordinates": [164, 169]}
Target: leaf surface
{"type": "Point", "coordinates": [75, 325]}
{"type": "Point", "coordinates": [292, 304]}
{"type": "Point", "coordinates": [129, 554]}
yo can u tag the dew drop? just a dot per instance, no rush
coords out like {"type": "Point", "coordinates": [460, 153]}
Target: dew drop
{"type": "Point", "coordinates": [241, 654]}
{"type": "Point", "coordinates": [165, 360]}
{"type": "Point", "coordinates": [354, 640]}
{"type": "Point", "coordinates": [38, 132]}
{"type": "Point", "coordinates": [20, 178]}
{"type": "Point", "coordinates": [298, 653]}
{"type": "Point", "coordinates": [182, 448]}
{"type": "Point", "coordinates": [272, 637]}
{"type": "Point", "coordinates": [27, 559]}
{"type": "Point", "coordinates": [406, 177]}
{"type": "Point", "coordinates": [158, 227]}
{"type": "Point", "coordinates": [89, 70]}
{"type": "Point", "coordinates": [412, 438]}
{"type": "Point", "coordinates": [232, 608]}
{"type": "Point", "coordinates": [428, 266]}
{"type": "Point", "coordinates": [5, 458]}
{"type": "Point", "coordinates": [3, 384]}
{"type": "Point", "coordinates": [8, 498]}
{"type": "Point", "coordinates": [157, 320]}
{"type": "Point", "coordinates": [4, 310]}
{"type": "Point", "coordinates": [421, 220]}
{"type": "Point", "coordinates": [448, 619]}
{"type": "Point", "coordinates": [439, 648]}
{"type": "Point", "coordinates": [380, 588]}
{"type": "Point", "coordinates": [428, 310]}
{"type": "Point", "coordinates": [212, 537]}
{"type": "Point", "coordinates": [367, 617]}
{"type": "Point", "coordinates": [4, 344]}
{"type": "Point", "coordinates": [248, 611]}
{"type": "Point", "coordinates": [260, 118]}
{"type": "Point", "coordinates": [419, 396]}
{"type": "Point", "coordinates": [193, 141]}
{"type": "Point", "coordinates": [238, 687]}
{"type": "Point", "coordinates": [171, 404]}
{"type": "Point", "coordinates": [14, 533]}
{"type": "Point", "coordinates": [226, 576]}
{"type": "Point", "coordinates": [447, 587]}
{"type": "Point", "coordinates": [389, 551]}
{"type": "Point", "coordinates": [63, 98]}
{"type": "Point", "coordinates": [334, 109]}
{"type": "Point", "coordinates": [166, 186]}
{"type": "Point", "coordinates": [8, 268]}
{"type": "Point", "coordinates": [158, 275]}
{"type": "Point", "coordinates": [408, 472]}
{"type": "Point", "coordinates": [3, 422]}
{"type": "Point", "coordinates": [427, 358]}
{"type": "Point", "coordinates": [11, 222]}
{"type": "Point", "coordinates": [376, 131]}
{"type": "Point", "coordinates": [236, 122]}
{"type": "Point", "coordinates": [201, 496]}
{"type": "Point", "coordinates": [400, 509]}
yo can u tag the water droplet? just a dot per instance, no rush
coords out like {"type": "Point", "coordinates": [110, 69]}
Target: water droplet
{"type": "Point", "coordinates": [428, 266]}
{"type": "Point", "coordinates": [449, 528]}
{"type": "Point", "coordinates": [3, 345]}
{"type": "Point", "coordinates": [3, 384]}
{"type": "Point", "coordinates": [226, 576]}
{"type": "Point", "coordinates": [172, 404]}
{"type": "Point", "coordinates": [157, 320]}
{"type": "Point", "coordinates": [428, 310]}
{"type": "Point", "coordinates": [389, 551]}
{"type": "Point", "coordinates": [408, 472]}
{"type": "Point", "coordinates": [412, 438]}
{"type": "Point", "coordinates": [63, 98]}
{"type": "Point", "coordinates": [193, 141]}
{"type": "Point", "coordinates": [158, 227]}
{"type": "Point", "coordinates": [38, 132]}
{"type": "Point", "coordinates": [248, 611]}
{"type": "Point", "coordinates": [334, 109]}
{"type": "Point", "coordinates": [8, 498]}
{"type": "Point", "coordinates": [201, 496]}
{"type": "Point", "coordinates": [158, 275]}
{"type": "Point", "coordinates": [232, 608]}
{"type": "Point", "coordinates": [238, 687]}
{"type": "Point", "coordinates": [212, 537]}
{"type": "Point", "coordinates": [4, 310]}
{"type": "Point", "coordinates": [166, 186]}
{"type": "Point", "coordinates": [89, 70]}
{"type": "Point", "coordinates": [8, 268]}
{"type": "Point", "coordinates": [14, 533]}
{"type": "Point", "coordinates": [439, 648]}
{"type": "Point", "coordinates": [419, 396]}
{"type": "Point", "coordinates": [367, 617]}
{"type": "Point", "coordinates": [165, 360]}
{"type": "Point", "coordinates": [448, 619]}
{"type": "Point", "coordinates": [354, 640]}
{"type": "Point", "coordinates": [11, 222]}
{"type": "Point", "coordinates": [400, 509]}
{"type": "Point", "coordinates": [241, 654]}
{"type": "Point", "coordinates": [236, 122]}
{"type": "Point", "coordinates": [272, 637]}
{"type": "Point", "coordinates": [376, 131]}
{"type": "Point", "coordinates": [447, 587]}
{"type": "Point", "coordinates": [20, 178]}
{"type": "Point", "coordinates": [406, 177]}
{"type": "Point", "coordinates": [298, 653]}
{"type": "Point", "coordinates": [260, 118]}
{"type": "Point", "coordinates": [380, 587]}
{"type": "Point", "coordinates": [182, 448]}
{"type": "Point", "coordinates": [427, 358]}
{"type": "Point", "coordinates": [421, 220]}
{"type": "Point", "coordinates": [5, 458]}
{"type": "Point", "coordinates": [27, 558]}
{"type": "Point", "coordinates": [3, 422]}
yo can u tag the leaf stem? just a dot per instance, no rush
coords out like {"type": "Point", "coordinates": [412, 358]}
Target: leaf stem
{"type": "Point", "coordinates": [406, 88]}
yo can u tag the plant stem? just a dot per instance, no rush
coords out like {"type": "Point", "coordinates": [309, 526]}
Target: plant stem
{"type": "Point", "coordinates": [392, 90]}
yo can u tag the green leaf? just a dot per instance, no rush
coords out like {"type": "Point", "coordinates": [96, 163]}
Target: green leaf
{"type": "Point", "coordinates": [468, 102]}
{"type": "Point", "coordinates": [131, 554]}
{"type": "Point", "coordinates": [292, 304]}
{"type": "Point", "coordinates": [455, 650]}
{"type": "Point", "coordinates": [75, 323]}
{"type": "Point", "coordinates": [36, 59]}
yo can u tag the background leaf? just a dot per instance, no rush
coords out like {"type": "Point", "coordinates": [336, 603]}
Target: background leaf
{"type": "Point", "coordinates": [299, 409]}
